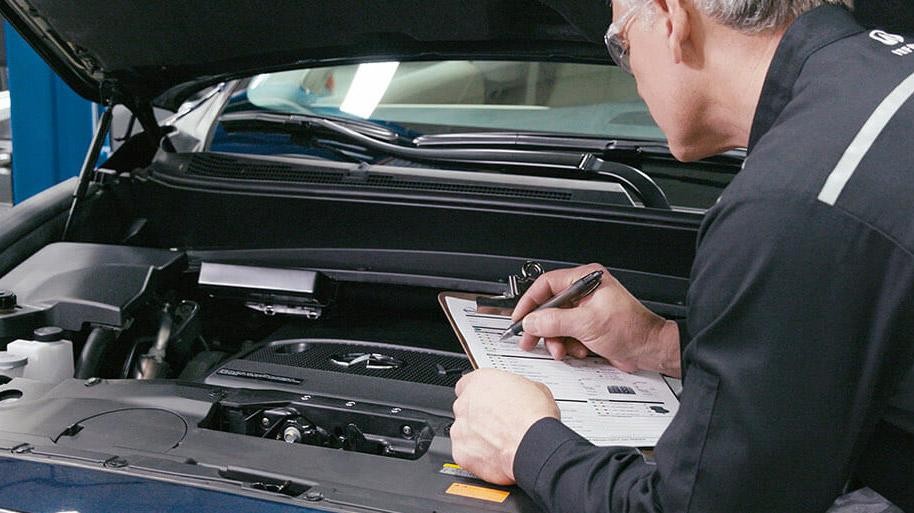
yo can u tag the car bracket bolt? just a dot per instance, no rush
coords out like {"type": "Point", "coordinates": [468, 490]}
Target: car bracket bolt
{"type": "Point", "coordinates": [291, 435]}
{"type": "Point", "coordinates": [407, 431]}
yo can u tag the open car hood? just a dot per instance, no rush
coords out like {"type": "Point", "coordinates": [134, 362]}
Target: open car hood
{"type": "Point", "coordinates": [161, 52]}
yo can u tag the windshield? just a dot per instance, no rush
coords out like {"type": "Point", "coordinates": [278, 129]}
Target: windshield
{"type": "Point", "coordinates": [450, 96]}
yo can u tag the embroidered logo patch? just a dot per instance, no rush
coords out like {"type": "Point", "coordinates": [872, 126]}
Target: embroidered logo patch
{"type": "Point", "coordinates": [886, 38]}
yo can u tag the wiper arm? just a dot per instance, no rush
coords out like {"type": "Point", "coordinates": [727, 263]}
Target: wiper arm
{"type": "Point", "coordinates": [580, 161]}
{"type": "Point", "coordinates": [509, 139]}
{"type": "Point", "coordinates": [245, 120]}
{"type": "Point", "coordinates": [563, 141]}
{"type": "Point", "coordinates": [543, 140]}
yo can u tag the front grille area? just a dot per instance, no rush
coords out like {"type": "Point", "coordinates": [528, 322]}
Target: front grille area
{"type": "Point", "coordinates": [417, 366]}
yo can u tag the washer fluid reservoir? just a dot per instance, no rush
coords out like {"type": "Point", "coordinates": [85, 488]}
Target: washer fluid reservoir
{"type": "Point", "coordinates": [50, 355]}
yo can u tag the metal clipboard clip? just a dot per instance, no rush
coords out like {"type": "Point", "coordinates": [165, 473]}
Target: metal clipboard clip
{"type": "Point", "coordinates": [517, 284]}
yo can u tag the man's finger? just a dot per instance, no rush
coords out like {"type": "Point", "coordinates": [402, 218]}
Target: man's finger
{"type": "Point", "coordinates": [463, 382]}
{"type": "Point", "coordinates": [575, 348]}
{"type": "Point", "coordinates": [459, 407]}
{"type": "Point", "coordinates": [458, 451]}
{"type": "Point", "coordinates": [455, 431]}
{"type": "Point", "coordinates": [557, 322]}
{"type": "Point", "coordinates": [556, 347]}
{"type": "Point", "coordinates": [539, 292]}
{"type": "Point", "coordinates": [528, 342]}
{"type": "Point", "coordinates": [548, 285]}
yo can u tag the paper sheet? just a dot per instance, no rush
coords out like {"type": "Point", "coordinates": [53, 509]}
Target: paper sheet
{"type": "Point", "coordinates": [598, 401]}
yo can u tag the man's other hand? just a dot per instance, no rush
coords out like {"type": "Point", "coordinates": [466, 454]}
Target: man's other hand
{"type": "Point", "coordinates": [493, 411]}
{"type": "Point", "coordinates": [610, 322]}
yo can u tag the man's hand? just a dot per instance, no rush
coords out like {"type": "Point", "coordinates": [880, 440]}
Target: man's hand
{"type": "Point", "coordinates": [493, 411]}
{"type": "Point", "coordinates": [610, 322]}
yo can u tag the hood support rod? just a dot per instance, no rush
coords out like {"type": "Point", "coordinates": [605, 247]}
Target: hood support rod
{"type": "Point", "coordinates": [88, 168]}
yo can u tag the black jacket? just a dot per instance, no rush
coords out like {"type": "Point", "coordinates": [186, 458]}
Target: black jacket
{"type": "Point", "coordinates": [799, 368]}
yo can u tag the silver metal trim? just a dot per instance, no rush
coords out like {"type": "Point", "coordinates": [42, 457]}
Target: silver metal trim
{"type": "Point", "coordinates": [373, 361]}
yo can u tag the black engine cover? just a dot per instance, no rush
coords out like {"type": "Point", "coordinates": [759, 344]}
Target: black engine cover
{"type": "Point", "coordinates": [374, 372]}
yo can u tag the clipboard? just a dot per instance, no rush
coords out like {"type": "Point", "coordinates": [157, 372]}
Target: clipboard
{"type": "Point", "coordinates": [442, 300]}
{"type": "Point", "coordinates": [600, 402]}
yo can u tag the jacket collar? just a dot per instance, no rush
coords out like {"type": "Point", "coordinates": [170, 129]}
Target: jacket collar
{"type": "Point", "coordinates": [810, 32]}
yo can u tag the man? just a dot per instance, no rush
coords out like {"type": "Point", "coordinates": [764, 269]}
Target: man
{"type": "Point", "coordinates": [797, 355]}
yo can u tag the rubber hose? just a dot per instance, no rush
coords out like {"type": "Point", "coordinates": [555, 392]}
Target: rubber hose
{"type": "Point", "coordinates": [93, 352]}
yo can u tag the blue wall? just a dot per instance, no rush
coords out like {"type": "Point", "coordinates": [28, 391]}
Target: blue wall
{"type": "Point", "coordinates": [51, 125]}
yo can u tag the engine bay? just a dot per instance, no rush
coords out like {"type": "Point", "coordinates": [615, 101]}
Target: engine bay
{"type": "Point", "coordinates": [138, 313]}
{"type": "Point", "coordinates": [225, 371]}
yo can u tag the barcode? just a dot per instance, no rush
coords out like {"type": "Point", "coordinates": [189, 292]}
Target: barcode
{"type": "Point", "coordinates": [619, 389]}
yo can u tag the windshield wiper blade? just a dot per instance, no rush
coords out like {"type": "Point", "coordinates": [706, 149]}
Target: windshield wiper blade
{"type": "Point", "coordinates": [538, 139]}
{"type": "Point", "coordinates": [584, 162]}
{"type": "Point", "coordinates": [509, 139]}
{"type": "Point", "coordinates": [383, 140]}
{"type": "Point", "coordinates": [562, 141]}
{"type": "Point", "coordinates": [245, 120]}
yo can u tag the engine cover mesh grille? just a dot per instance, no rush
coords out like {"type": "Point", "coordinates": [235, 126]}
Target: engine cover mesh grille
{"type": "Point", "coordinates": [416, 366]}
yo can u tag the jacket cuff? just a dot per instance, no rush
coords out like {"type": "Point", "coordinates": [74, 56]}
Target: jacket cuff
{"type": "Point", "coordinates": [684, 340]}
{"type": "Point", "coordinates": [540, 442]}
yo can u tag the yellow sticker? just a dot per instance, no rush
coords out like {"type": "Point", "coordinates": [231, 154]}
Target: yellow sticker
{"type": "Point", "coordinates": [478, 492]}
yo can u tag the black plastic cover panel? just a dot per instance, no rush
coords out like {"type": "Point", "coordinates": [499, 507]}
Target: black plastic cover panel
{"type": "Point", "coordinates": [350, 369]}
{"type": "Point", "coordinates": [70, 284]}
{"type": "Point", "coordinates": [174, 431]}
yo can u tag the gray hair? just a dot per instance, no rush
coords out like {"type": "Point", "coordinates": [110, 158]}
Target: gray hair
{"type": "Point", "coordinates": [755, 16]}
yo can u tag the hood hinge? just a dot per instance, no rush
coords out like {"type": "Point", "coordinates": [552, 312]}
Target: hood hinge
{"type": "Point", "coordinates": [141, 108]}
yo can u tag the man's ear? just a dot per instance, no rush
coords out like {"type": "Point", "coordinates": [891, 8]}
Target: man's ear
{"type": "Point", "coordinates": [676, 20]}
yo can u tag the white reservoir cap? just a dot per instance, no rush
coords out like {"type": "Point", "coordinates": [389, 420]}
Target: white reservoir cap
{"type": "Point", "coordinates": [10, 361]}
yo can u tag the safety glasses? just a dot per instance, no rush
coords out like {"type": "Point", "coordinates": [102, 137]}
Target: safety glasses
{"type": "Point", "coordinates": [616, 44]}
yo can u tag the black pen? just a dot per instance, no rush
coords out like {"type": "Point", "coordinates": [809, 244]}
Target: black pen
{"type": "Point", "coordinates": [577, 291]}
